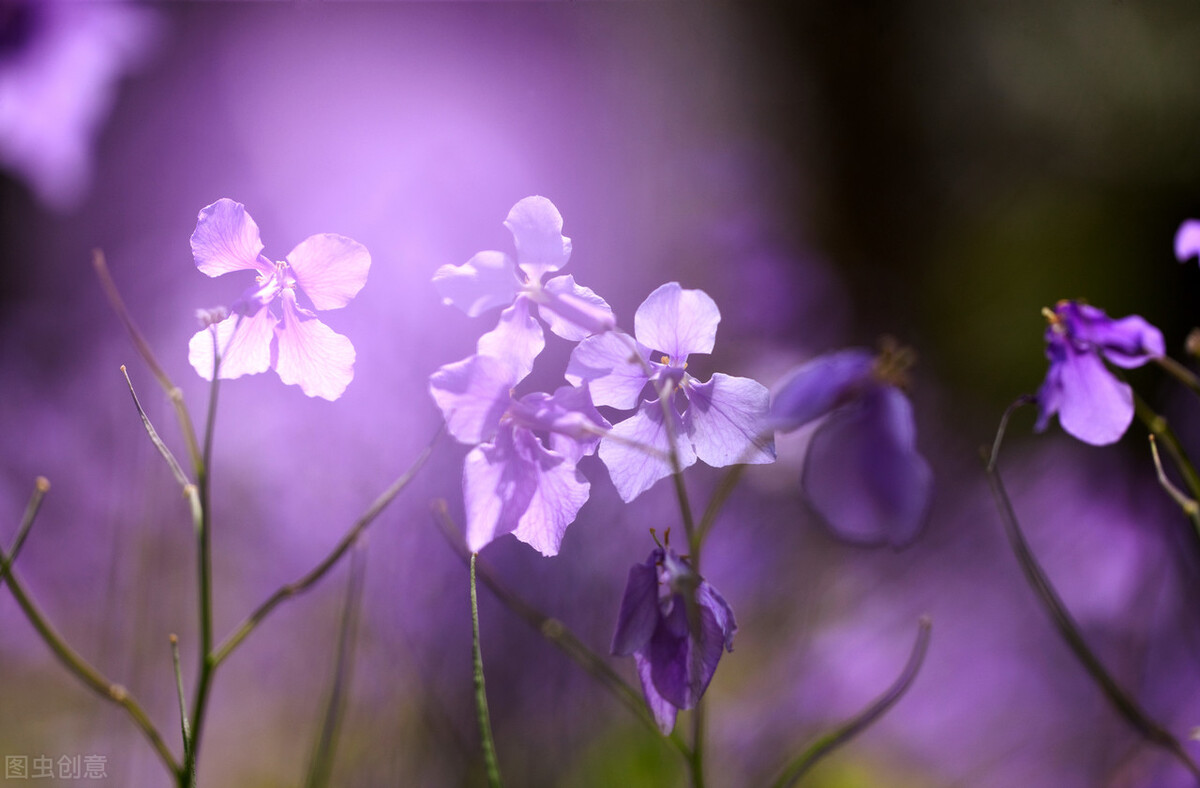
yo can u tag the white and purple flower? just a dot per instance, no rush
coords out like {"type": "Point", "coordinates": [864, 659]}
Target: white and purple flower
{"type": "Point", "coordinates": [676, 650]}
{"type": "Point", "coordinates": [1091, 403]}
{"type": "Point", "coordinates": [513, 482]}
{"type": "Point", "coordinates": [719, 422]}
{"type": "Point", "coordinates": [491, 279]}
{"type": "Point", "coordinates": [862, 474]}
{"type": "Point", "coordinates": [329, 269]}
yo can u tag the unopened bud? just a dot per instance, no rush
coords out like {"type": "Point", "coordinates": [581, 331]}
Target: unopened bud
{"type": "Point", "coordinates": [210, 317]}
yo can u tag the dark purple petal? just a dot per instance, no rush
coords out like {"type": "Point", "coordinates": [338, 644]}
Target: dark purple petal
{"type": "Point", "coordinates": [677, 322]}
{"type": "Point", "coordinates": [711, 599]}
{"type": "Point", "coordinates": [1128, 342]}
{"type": "Point", "coordinates": [725, 421]}
{"type": "Point", "coordinates": [639, 608]}
{"type": "Point", "coordinates": [863, 474]}
{"type": "Point", "coordinates": [664, 713]}
{"type": "Point", "coordinates": [819, 386]}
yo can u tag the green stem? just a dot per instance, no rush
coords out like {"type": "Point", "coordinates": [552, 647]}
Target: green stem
{"type": "Point", "coordinates": [1180, 373]}
{"type": "Point", "coordinates": [481, 707]}
{"type": "Point", "coordinates": [184, 725]}
{"type": "Point", "coordinates": [1121, 700]}
{"type": "Point", "coordinates": [826, 744]}
{"type": "Point", "coordinates": [556, 633]}
{"type": "Point", "coordinates": [41, 486]}
{"type": "Point", "coordinates": [1162, 431]}
{"type": "Point", "coordinates": [316, 573]}
{"type": "Point", "coordinates": [172, 463]}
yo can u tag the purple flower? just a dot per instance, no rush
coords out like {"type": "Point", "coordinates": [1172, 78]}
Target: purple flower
{"type": "Point", "coordinates": [330, 269]}
{"type": "Point", "coordinates": [862, 474]}
{"type": "Point", "coordinates": [491, 279]}
{"type": "Point", "coordinates": [512, 481]}
{"type": "Point", "coordinates": [59, 62]}
{"type": "Point", "coordinates": [1187, 240]}
{"type": "Point", "coordinates": [1091, 403]}
{"type": "Point", "coordinates": [676, 650]}
{"type": "Point", "coordinates": [719, 422]}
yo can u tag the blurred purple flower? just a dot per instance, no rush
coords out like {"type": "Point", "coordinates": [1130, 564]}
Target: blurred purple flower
{"type": "Point", "coordinates": [722, 421]}
{"type": "Point", "coordinates": [330, 269]}
{"type": "Point", "coordinates": [1091, 403]}
{"type": "Point", "coordinates": [59, 62]}
{"type": "Point", "coordinates": [1187, 240]}
{"type": "Point", "coordinates": [863, 473]}
{"type": "Point", "coordinates": [491, 279]}
{"type": "Point", "coordinates": [513, 482]}
{"type": "Point", "coordinates": [676, 653]}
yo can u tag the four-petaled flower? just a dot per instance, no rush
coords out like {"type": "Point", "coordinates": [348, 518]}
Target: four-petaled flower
{"type": "Point", "coordinates": [1091, 403]}
{"type": "Point", "coordinates": [513, 482]}
{"type": "Point", "coordinates": [862, 473]}
{"type": "Point", "coordinates": [330, 269]}
{"type": "Point", "coordinates": [676, 626]}
{"type": "Point", "coordinates": [719, 422]}
{"type": "Point", "coordinates": [491, 279]}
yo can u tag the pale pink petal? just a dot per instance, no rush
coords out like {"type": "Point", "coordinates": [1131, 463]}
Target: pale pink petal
{"type": "Point", "coordinates": [516, 340]}
{"type": "Point", "coordinates": [330, 268]}
{"type": "Point", "coordinates": [573, 311]}
{"type": "Point", "coordinates": [486, 281]}
{"type": "Point", "coordinates": [226, 239]}
{"type": "Point", "coordinates": [536, 226]}
{"type": "Point", "coordinates": [311, 354]}
{"type": "Point", "coordinates": [677, 321]}
{"type": "Point", "coordinates": [245, 351]}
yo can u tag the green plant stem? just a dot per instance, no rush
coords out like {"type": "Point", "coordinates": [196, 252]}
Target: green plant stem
{"type": "Point", "coordinates": [1180, 373]}
{"type": "Point", "coordinates": [320, 769]}
{"type": "Point", "coordinates": [41, 486]}
{"type": "Point", "coordinates": [184, 725]}
{"type": "Point", "coordinates": [481, 707]}
{"type": "Point", "coordinates": [172, 463]}
{"type": "Point", "coordinates": [316, 573]}
{"type": "Point", "coordinates": [826, 744]}
{"type": "Point", "coordinates": [83, 670]}
{"type": "Point", "coordinates": [556, 633]}
{"type": "Point", "coordinates": [1164, 435]}
{"type": "Point", "coordinates": [1052, 603]}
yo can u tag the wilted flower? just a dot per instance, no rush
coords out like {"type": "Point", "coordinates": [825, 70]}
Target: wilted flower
{"type": "Point", "coordinates": [676, 648]}
{"type": "Point", "coordinates": [1091, 403]}
{"type": "Point", "coordinates": [59, 63]}
{"type": "Point", "coordinates": [330, 269]}
{"type": "Point", "coordinates": [719, 422]}
{"type": "Point", "coordinates": [512, 481]}
{"type": "Point", "coordinates": [862, 473]}
{"type": "Point", "coordinates": [491, 279]}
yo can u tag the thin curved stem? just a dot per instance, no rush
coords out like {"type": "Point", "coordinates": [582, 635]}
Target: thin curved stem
{"type": "Point", "coordinates": [826, 744]}
{"type": "Point", "coordinates": [1180, 373]}
{"type": "Point", "coordinates": [491, 765]}
{"type": "Point", "coordinates": [1052, 603]}
{"type": "Point", "coordinates": [41, 486]}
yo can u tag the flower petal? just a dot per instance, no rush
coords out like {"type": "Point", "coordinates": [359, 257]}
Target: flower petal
{"type": "Point", "coordinates": [725, 420]}
{"type": "Point", "coordinates": [572, 421]}
{"type": "Point", "coordinates": [608, 363]}
{"type": "Point", "coordinates": [639, 608]}
{"type": "Point", "coordinates": [1187, 240]}
{"type": "Point", "coordinates": [486, 281]}
{"type": "Point", "coordinates": [573, 311]}
{"type": "Point", "coordinates": [516, 340]}
{"type": "Point", "coordinates": [248, 353]}
{"type": "Point", "coordinates": [863, 474]}
{"type": "Point", "coordinates": [560, 493]}
{"type": "Point", "coordinates": [472, 395]}
{"type": "Point", "coordinates": [1093, 406]}
{"type": "Point", "coordinates": [226, 239]}
{"type": "Point", "coordinates": [636, 451]}
{"type": "Point", "coordinates": [818, 386]}
{"type": "Point", "coordinates": [677, 322]}
{"type": "Point", "coordinates": [536, 226]}
{"type": "Point", "coordinates": [311, 354]}
{"type": "Point", "coordinates": [664, 713]}
{"type": "Point", "coordinates": [330, 268]}
{"type": "Point", "coordinates": [1127, 342]}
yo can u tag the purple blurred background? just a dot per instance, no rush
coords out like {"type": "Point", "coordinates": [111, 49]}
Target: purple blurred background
{"type": "Point", "coordinates": [827, 175]}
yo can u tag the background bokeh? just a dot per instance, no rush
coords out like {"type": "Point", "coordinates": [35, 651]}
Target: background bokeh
{"type": "Point", "coordinates": [935, 171]}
